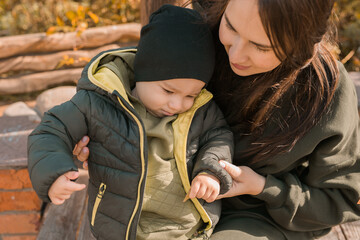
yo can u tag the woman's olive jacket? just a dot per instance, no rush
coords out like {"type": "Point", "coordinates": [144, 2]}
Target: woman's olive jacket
{"type": "Point", "coordinates": [118, 147]}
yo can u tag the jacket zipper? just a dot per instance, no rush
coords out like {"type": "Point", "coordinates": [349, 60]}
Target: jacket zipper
{"type": "Point", "coordinates": [99, 196]}
{"type": "Point", "coordinates": [142, 158]}
{"type": "Point", "coordinates": [180, 152]}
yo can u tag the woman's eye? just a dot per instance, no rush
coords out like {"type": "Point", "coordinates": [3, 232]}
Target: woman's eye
{"type": "Point", "coordinates": [229, 27]}
{"type": "Point", "coordinates": [260, 49]}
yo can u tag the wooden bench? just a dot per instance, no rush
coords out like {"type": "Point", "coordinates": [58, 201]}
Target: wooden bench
{"type": "Point", "coordinates": [69, 221]}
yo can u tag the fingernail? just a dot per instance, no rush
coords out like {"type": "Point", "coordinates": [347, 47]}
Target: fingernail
{"type": "Point", "coordinates": [84, 139]}
{"type": "Point", "coordinates": [85, 164]}
{"type": "Point", "coordinates": [222, 164]}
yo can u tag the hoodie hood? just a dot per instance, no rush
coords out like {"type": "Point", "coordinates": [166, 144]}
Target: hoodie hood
{"type": "Point", "coordinates": [109, 71]}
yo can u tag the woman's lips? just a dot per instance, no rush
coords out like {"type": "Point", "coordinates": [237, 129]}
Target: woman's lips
{"type": "Point", "coordinates": [240, 67]}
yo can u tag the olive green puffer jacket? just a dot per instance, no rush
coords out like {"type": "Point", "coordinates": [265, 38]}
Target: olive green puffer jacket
{"type": "Point", "coordinates": [118, 148]}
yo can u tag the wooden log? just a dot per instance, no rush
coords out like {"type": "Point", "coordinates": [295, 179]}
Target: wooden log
{"type": "Point", "coordinates": [52, 61]}
{"type": "Point", "coordinates": [38, 81]}
{"type": "Point", "coordinates": [62, 221]}
{"type": "Point", "coordinates": [84, 231]}
{"type": "Point", "coordinates": [90, 38]}
{"type": "Point", "coordinates": [350, 230]}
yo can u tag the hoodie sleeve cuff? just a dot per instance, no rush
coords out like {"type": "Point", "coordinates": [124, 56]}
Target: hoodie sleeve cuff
{"type": "Point", "coordinates": [274, 193]}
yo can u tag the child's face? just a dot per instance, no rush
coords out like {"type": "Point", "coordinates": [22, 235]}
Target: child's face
{"type": "Point", "coordinates": [168, 97]}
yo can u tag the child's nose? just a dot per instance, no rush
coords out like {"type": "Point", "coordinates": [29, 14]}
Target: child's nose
{"type": "Point", "coordinates": [175, 104]}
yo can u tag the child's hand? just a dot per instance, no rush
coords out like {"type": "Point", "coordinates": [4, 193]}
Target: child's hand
{"type": "Point", "coordinates": [205, 186]}
{"type": "Point", "coordinates": [63, 187]}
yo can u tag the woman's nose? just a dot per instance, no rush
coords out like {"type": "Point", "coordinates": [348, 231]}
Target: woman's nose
{"type": "Point", "coordinates": [237, 51]}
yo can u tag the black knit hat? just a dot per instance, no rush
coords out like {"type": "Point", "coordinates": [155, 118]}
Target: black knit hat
{"type": "Point", "coordinates": [176, 43]}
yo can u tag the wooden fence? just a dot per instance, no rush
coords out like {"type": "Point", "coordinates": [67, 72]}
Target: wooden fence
{"type": "Point", "coordinates": [35, 62]}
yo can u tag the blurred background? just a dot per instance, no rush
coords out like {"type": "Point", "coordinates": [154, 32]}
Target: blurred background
{"type": "Point", "coordinates": [23, 17]}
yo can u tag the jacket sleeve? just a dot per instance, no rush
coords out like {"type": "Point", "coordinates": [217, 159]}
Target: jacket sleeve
{"type": "Point", "coordinates": [216, 143]}
{"type": "Point", "coordinates": [51, 143]}
{"type": "Point", "coordinates": [323, 192]}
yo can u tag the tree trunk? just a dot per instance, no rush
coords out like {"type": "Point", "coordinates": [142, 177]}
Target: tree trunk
{"type": "Point", "coordinates": [147, 7]}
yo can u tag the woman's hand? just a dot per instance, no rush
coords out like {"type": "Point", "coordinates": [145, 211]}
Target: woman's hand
{"type": "Point", "coordinates": [81, 151]}
{"type": "Point", "coordinates": [245, 181]}
{"type": "Point", "coordinates": [63, 187]}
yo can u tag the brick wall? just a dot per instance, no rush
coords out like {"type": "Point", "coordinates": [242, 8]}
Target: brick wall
{"type": "Point", "coordinates": [19, 206]}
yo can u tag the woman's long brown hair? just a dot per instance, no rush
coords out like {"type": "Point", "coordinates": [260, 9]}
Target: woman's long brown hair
{"type": "Point", "coordinates": [277, 108]}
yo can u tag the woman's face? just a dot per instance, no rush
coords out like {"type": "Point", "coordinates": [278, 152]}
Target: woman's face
{"type": "Point", "coordinates": [244, 38]}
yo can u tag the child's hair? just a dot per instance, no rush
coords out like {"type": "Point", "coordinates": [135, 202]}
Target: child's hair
{"type": "Point", "coordinates": [176, 43]}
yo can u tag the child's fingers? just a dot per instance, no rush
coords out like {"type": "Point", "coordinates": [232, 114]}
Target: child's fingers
{"type": "Point", "coordinates": [207, 194]}
{"type": "Point", "coordinates": [194, 188]}
{"type": "Point", "coordinates": [74, 187]}
{"type": "Point", "coordinates": [201, 192]}
{"type": "Point", "coordinates": [71, 175]}
{"type": "Point", "coordinates": [57, 201]}
{"type": "Point", "coordinates": [186, 197]}
{"type": "Point", "coordinates": [212, 197]}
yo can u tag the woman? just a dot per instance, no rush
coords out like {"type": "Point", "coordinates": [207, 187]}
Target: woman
{"type": "Point", "coordinates": [293, 111]}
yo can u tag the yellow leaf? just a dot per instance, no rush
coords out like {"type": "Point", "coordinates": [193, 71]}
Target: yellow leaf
{"type": "Point", "coordinates": [59, 21]}
{"type": "Point", "coordinates": [78, 33]}
{"type": "Point", "coordinates": [70, 15]}
{"type": "Point", "coordinates": [85, 59]}
{"type": "Point", "coordinates": [74, 22]}
{"type": "Point", "coordinates": [81, 12]}
{"type": "Point", "coordinates": [51, 30]}
{"type": "Point", "coordinates": [93, 16]}
{"type": "Point", "coordinates": [66, 61]}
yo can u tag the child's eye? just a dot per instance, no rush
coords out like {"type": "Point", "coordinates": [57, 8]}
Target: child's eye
{"type": "Point", "coordinates": [167, 91]}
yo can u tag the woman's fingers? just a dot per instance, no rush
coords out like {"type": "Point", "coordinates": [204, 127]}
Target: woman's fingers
{"type": "Point", "coordinates": [81, 151]}
{"type": "Point", "coordinates": [83, 155]}
{"type": "Point", "coordinates": [80, 146]}
{"type": "Point", "coordinates": [234, 171]}
{"type": "Point", "coordinates": [85, 165]}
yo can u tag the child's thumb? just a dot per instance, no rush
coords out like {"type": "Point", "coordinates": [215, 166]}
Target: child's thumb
{"type": "Point", "coordinates": [72, 175]}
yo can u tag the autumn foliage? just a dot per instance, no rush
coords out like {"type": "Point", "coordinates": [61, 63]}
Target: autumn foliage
{"type": "Point", "coordinates": [51, 16]}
